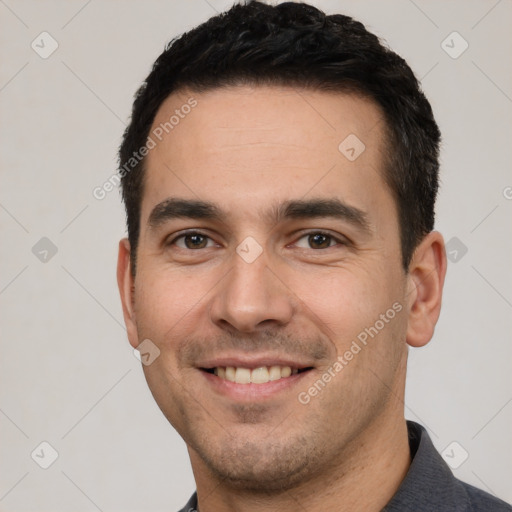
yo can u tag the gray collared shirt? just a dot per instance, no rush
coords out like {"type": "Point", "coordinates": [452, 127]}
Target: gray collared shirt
{"type": "Point", "coordinates": [429, 485]}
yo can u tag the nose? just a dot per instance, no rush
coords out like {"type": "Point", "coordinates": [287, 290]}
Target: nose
{"type": "Point", "coordinates": [251, 297]}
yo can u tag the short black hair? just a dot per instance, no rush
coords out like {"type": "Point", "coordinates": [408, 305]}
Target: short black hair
{"type": "Point", "coordinates": [297, 45]}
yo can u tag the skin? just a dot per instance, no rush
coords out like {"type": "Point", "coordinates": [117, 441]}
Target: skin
{"type": "Point", "coordinates": [246, 149]}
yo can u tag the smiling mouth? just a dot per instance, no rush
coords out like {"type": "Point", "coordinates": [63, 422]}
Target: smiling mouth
{"type": "Point", "coordinates": [260, 375]}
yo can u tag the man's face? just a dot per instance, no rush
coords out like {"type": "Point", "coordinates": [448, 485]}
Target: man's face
{"type": "Point", "coordinates": [275, 283]}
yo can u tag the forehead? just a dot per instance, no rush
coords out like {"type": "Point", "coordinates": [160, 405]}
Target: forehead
{"type": "Point", "coordinates": [243, 145]}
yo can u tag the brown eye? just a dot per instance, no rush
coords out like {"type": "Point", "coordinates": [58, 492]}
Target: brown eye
{"type": "Point", "coordinates": [195, 241]}
{"type": "Point", "coordinates": [192, 241]}
{"type": "Point", "coordinates": [319, 241]}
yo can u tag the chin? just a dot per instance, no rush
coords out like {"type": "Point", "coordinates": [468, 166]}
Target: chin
{"type": "Point", "coordinates": [273, 468]}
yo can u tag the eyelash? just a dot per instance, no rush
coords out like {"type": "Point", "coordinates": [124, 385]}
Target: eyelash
{"type": "Point", "coordinates": [303, 235]}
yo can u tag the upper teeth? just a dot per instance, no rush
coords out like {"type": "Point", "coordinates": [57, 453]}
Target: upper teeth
{"type": "Point", "coordinates": [257, 375]}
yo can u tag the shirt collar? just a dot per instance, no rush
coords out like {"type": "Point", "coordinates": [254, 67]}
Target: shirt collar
{"type": "Point", "coordinates": [429, 483]}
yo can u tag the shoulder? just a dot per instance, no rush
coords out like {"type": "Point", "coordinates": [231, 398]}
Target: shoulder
{"type": "Point", "coordinates": [430, 484]}
{"type": "Point", "coordinates": [191, 506]}
{"type": "Point", "coordinates": [480, 501]}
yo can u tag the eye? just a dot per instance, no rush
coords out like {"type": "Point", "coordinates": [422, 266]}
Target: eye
{"type": "Point", "coordinates": [192, 240]}
{"type": "Point", "coordinates": [319, 240]}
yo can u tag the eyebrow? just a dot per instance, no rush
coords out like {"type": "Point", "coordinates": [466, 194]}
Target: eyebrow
{"type": "Point", "coordinates": [177, 208]}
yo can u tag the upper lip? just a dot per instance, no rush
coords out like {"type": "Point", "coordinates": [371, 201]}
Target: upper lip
{"type": "Point", "coordinates": [253, 361]}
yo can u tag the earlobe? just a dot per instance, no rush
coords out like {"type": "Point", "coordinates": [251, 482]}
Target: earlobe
{"type": "Point", "coordinates": [125, 282]}
{"type": "Point", "coordinates": [426, 274]}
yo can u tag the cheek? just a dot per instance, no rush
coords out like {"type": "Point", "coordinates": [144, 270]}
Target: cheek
{"type": "Point", "coordinates": [346, 301]}
{"type": "Point", "coordinates": [160, 301]}
{"type": "Point", "coordinates": [168, 302]}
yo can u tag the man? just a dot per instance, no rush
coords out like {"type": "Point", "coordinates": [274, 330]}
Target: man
{"type": "Point", "coordinates": [279, 175]}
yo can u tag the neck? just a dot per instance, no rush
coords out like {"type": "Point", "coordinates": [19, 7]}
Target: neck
{"type": "Point", "coordinates": [368, 475]}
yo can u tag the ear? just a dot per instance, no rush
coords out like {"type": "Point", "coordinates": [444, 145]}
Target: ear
{"type": "Point", "coordinates": [125, 282]}
{"type": "Point", "coordinates": [427, 271]}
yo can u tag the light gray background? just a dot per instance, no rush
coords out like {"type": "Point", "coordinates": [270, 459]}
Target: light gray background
{"type": "Point", "coordinates": [68, 375]}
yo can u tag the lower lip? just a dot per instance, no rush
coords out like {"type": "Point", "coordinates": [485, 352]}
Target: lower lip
{"type": "Point", "coordinates": [252, 392]}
